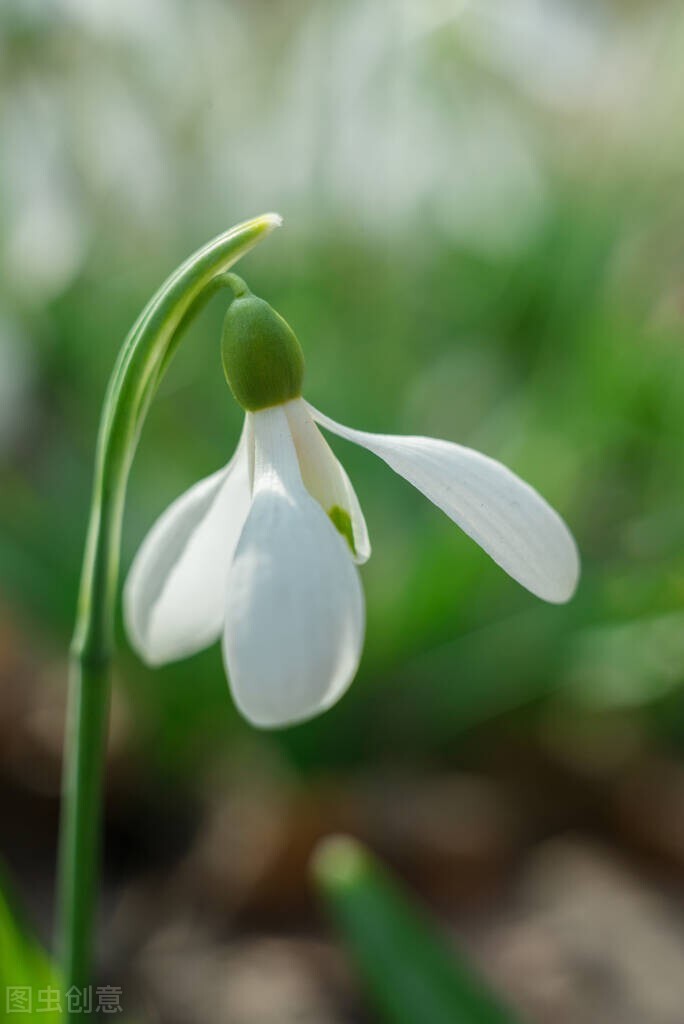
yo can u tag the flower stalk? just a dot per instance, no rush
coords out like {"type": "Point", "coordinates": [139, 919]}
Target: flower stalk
{"type": "Point", "coordinates": [142, 362]}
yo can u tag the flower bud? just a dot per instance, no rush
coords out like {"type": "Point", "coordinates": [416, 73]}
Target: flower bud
{"type": "Point", "coordinates": [262, 359]}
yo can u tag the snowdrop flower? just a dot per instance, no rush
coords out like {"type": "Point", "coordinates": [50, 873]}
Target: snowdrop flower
{"type": "Point", "coordinates": [264, 552]}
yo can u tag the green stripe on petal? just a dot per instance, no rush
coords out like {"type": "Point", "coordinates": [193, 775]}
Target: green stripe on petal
{"type": "Point", "coordinates": [341, 520]}
{"type": "Point", "coordinates": [326, 481]}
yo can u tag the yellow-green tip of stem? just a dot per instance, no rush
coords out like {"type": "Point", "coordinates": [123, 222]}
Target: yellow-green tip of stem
{"type": "Point", "coordinates": [339, 862]}
{"type": "Point", "coordinates": [270, 220]}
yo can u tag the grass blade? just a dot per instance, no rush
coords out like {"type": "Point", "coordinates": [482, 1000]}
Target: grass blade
{"type": "Point", "coordinates": [411, 974]}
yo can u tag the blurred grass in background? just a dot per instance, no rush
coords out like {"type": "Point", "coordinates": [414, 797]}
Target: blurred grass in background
{"type": "Point", "coordinates": [482, 241]}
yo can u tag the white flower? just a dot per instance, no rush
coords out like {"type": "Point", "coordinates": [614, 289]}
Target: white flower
{"type": "Point", "coordinates": [263, 554]}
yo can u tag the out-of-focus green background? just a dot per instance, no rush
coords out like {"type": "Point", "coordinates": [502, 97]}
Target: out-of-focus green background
{"type": "Point", "coordinates": [484, 218]}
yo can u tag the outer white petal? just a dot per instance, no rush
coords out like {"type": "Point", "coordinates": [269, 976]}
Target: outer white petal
{"type": "Point", "coordinates": [323, 475]}
{"type": "Point", "coordinates": [294, 609]}
{"type": "Point", "coordinates": [175, 592]}
{"type": "Point", "coordinates": [507, 517]}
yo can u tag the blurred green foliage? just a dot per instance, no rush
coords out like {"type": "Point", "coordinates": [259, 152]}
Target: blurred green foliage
{"type": "Point", "coordinates": [474, 248]}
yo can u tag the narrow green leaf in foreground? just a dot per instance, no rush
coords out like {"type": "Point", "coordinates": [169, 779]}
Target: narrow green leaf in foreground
{"type": "Point", "coordinates": [413, 977]}
{"type": "Point", "coordinates": [26, 973]}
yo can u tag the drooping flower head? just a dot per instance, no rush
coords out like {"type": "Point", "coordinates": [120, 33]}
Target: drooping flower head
{"type": "Point", "coordinates": [264, 552]}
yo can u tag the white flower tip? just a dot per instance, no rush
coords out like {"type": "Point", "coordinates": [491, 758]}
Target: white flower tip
{"type": "Point", "coordinates": [561, 573]}
{"type": "Point", "coordinates": [151, 658]}
{"type": "Point", "coordinates": [260, 719]}
{"type": "Point", "coordinates": [149, 643]}
{"type": "Point", "coordinates": [567, 581]}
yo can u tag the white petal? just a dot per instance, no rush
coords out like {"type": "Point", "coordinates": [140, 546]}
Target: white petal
{"type": "Point", "coordinates": [294, 608]}
{"type": "Point", "coordinates": [175, 592]}
{"type": "Point", "coordinates": [324, 477]}
{"type": "Point", "coordinates": [503, 514]}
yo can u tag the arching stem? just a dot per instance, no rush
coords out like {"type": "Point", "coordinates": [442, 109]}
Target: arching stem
{"type": "Point", "coordinates": [142, 361]}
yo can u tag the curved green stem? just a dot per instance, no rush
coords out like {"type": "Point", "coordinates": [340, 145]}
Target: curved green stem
{"type": "Point", "coordinates": [142, 361]}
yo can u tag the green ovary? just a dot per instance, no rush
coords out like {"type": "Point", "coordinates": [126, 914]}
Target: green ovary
{"type": "Point", "coordinates": [262, 358]}
{"type": "Point", "coordinates": [341, 520]}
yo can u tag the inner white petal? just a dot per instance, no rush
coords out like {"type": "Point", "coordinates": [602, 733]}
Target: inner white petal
{"type": "Point", "coordinates": [326, 480]}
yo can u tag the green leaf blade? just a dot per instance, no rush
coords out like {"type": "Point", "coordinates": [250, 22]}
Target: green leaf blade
{"type": "Point", "coordinates": [413, 977]}
{"type": "Point", "coordinates": [24, 965]}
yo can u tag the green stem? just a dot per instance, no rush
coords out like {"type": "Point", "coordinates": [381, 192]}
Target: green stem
{"type": "Point", "coordinates": [142, 361]}
{"type": "Point", "coordinates": [80, 828]}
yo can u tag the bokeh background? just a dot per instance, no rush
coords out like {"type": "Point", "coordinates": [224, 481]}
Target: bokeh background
{"type": "Point", "coordinates": [484, 217]}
